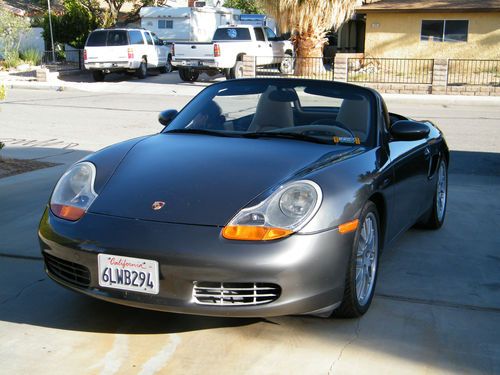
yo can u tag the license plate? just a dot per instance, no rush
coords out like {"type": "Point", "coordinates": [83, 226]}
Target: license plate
{"type": "Point", "coordinates": [134, 274]}
{"type": "Point", "coordinates": [193, 63]}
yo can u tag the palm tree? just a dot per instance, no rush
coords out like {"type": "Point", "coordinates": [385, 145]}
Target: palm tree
{"type": "Point", "coordinates": [308, 21]}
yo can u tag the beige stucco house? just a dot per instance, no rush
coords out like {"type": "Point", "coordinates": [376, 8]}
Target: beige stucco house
{"type": "Point", "coordinates": [460, 29]}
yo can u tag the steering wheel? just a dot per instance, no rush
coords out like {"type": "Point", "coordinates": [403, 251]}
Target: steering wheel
{"type": "Point", "coordinates": [328, 129]}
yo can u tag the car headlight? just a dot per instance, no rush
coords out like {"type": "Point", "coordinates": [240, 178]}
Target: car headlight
{"type": "Point", "coordinates": [74, 193]}
{"type": "Point", "coordinates": [284, 212]}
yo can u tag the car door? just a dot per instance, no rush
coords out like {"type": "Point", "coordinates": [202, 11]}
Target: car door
{"type": "Point", "coordinates": [264, 48]}
{"type": "Point", "coordinates": [410, 161]}
{"type": "Point", "coordinates": [151, 50]}
{"type": "Point", "coordinates": [277, 46]}
{"type": "Point", "coordinates": [161, 50]}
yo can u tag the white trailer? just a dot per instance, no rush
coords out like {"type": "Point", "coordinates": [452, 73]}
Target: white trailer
{"type": "Point", "coordinates": [186, 24]}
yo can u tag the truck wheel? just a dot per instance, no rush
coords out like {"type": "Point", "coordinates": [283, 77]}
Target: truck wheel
{"type": "Point", "coordinates": [167, 68]}
{"type": "Point", "coordinates": [287, 64]}
{"type": "Point", "coordinates": [98, 75]}
{"type": "Point", "coordinates": [187, 75]}
{"type": "Point", "coordinates": [236, 71]}
{"type": "Point", "coordinates": [142, 72]}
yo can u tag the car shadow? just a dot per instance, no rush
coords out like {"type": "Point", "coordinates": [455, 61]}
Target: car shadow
{"type": "Point", "coordinates": [154, 77]}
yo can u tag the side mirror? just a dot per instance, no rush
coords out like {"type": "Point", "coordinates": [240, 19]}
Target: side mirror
{"type": "Point", "coordinates": [166, 117]}
{"type": "Point", "coordinates": [408, 130]}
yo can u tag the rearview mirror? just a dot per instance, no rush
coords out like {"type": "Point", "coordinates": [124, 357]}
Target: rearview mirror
{"type": "Point", "coordinates": [166, 117]}
{"type": "Point", "coordinates": [408, 130]}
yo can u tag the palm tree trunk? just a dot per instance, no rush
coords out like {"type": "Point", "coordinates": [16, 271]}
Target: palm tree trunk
{"type": "Point", "coordinates": [309, 52]}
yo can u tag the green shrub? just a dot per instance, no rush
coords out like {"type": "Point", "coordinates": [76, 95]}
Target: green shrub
{"type": "Point", "coordinates": [11, 60]}
{"type": "Point", "coordinates": [31, 56]}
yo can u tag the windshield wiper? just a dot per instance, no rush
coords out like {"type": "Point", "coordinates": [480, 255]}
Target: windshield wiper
{"type": "Point", "coordinates": [296, 136]}
{"type": "Point", "coordinates": [198, 131]}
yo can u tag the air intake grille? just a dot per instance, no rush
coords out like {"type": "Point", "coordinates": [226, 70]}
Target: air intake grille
{"type": "Point", "coordinates": [73, 273]}
{"type": "Point", "coordinates": [235, 294]}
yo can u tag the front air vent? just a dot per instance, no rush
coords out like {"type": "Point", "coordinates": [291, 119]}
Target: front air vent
{"type": "Point", "coordinates": [70, 272]}
{"type": "Point", "coordinates": [234, 294]}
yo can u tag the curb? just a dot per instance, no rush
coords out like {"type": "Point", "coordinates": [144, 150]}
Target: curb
{"type": "Point", "coordinates": [33, 85]}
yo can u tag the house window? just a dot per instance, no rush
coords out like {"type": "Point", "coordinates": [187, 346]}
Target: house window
{"type": "Point", "coordinates": [165, 24]}
{"type": "Point", "coordinates": [444, 30]}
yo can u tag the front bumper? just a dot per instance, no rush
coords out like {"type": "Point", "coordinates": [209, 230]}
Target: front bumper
{"type": "Point", "coordinates": [309, 269]}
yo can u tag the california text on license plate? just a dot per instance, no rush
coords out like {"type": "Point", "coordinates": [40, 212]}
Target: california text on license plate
{"type": "Point", "coordinates": [138, 275]}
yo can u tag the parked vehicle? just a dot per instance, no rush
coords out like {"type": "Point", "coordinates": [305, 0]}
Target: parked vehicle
{"type": "Point", "coordinates": [124, 50]}
{"type": "Point", "coordinates": [225, 53]}
{"type": "Point", "coordinates": [186, 24]}
{"type": "Point", "coordinates": [262, 197]}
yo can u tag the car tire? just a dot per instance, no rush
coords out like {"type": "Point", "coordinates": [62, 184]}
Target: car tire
{"type": "Point", "coordinates": [142, 72]}
{"type": "Point", "coordinates": [236, 71]}
{"type": "Point", "coordinates": [287, 65]}
{"type": "Point", "coordinates": [435, 218]}
{"type": "Point", "coordinates": [98, 75]}
{"type": "Point", "coordinates": [187, 75]}
{"type": "Point", "coordinates": [362, 270]}
{"type": "Point", "coordinates": [167, 68]}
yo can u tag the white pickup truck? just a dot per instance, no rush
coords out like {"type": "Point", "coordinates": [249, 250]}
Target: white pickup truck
{"type": "Point", "coordinates": [124, 50]}
{"type": "Point", "coordinates": [225, 53]}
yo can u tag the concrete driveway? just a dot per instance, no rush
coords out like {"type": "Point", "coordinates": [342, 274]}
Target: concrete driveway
{"type": "Point", "coordinates": [437, 307]}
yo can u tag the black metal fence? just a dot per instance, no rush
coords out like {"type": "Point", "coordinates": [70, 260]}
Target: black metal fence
{"type": "Point", "coordinates": [63, 60]}
{"type": "Point", "coordinates": [294, 67]}
{"type": "Point", "coordinates": [388, 70]}
{"type": "Point", "coordinates": [473, 72]}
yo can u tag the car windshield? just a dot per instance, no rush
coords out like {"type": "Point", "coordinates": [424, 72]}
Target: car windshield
{"type": "Point", "coordinates": [297, 109]}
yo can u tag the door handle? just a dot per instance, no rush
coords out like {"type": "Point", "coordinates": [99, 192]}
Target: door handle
{"type": "Point", "coordinates": [427, 153]}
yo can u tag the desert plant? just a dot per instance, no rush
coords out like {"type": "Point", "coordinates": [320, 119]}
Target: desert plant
{"type": "Point", "coordinates": [11, 59]}
{"type": "Point", "coordinates": [12, 28]}
{"type": "Point", "coordinates": [3, 92]}
{"type": "Point", "coordinates": [31, 56]}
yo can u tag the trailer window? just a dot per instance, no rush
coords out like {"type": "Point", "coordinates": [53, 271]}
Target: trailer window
{"type": "Point", "coordinates": [165, 24]}
{"type": "Point", "coordinates": [230, 33]}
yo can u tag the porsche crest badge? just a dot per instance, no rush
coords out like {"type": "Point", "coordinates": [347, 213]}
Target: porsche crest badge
{"type": "Point", "coordinates": [158, 205]}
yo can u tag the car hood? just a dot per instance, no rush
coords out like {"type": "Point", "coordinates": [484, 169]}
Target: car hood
{"type": "Point", "coordinates": [203, 179]}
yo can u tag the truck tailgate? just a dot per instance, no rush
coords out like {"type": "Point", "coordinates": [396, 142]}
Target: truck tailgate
{"type": "Point", "coordinates": [196, 51]}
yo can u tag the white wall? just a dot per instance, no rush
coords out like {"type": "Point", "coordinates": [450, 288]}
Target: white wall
{"type": "Point", "coordinates": [33, 39]}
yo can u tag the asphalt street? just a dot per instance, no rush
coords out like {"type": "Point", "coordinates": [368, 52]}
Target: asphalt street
{"type": "Point", "coordinates": [436, 310]}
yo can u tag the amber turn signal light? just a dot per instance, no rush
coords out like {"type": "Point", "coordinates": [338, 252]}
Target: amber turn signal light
{"type": "Point", "coordinates": [350, 226]}
{"type": "Point", "coordinates": [67, 212]}
{"type": "Point", "coordinates": [253, 233]}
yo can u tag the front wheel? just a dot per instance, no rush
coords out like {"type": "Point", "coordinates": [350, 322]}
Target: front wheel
{"type": "Point", "coordinates": [435, 219]}
{"type": "Point", "coordinates": [361, 275]}
{"type": "Point", "coordinates": [167, 68]}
